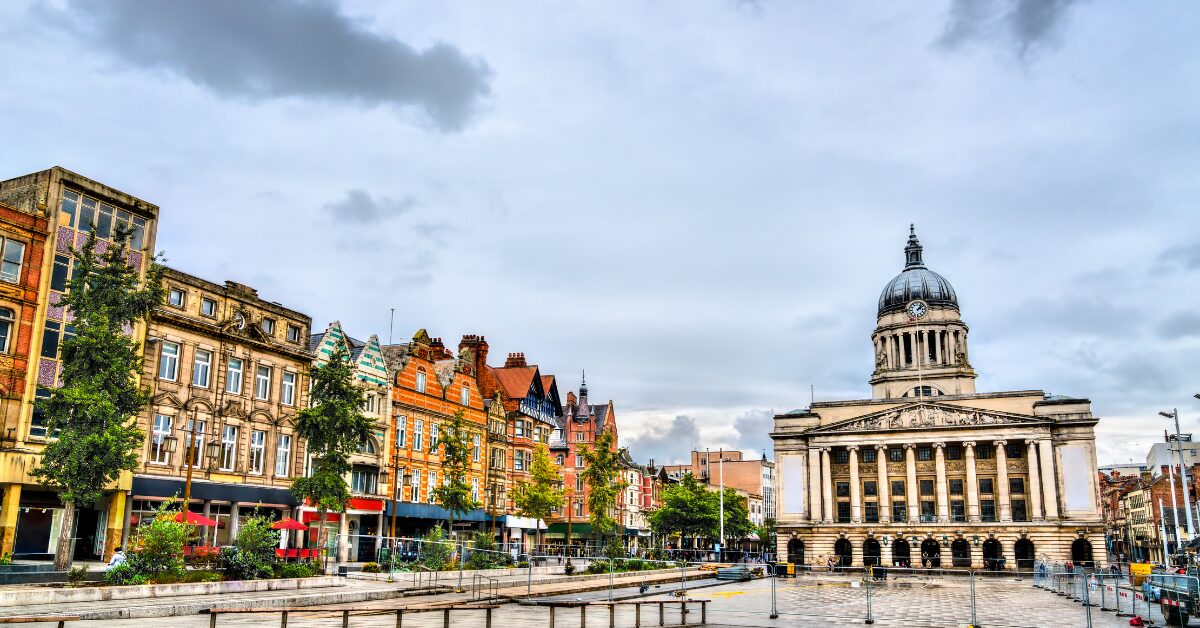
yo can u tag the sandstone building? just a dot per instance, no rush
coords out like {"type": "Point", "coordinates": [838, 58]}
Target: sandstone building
{"type": "Point", "coordinates": [927, 465]}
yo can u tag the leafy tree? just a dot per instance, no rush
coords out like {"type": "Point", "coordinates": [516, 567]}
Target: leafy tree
{"type": "Point", "coordinates": [334, 428]}
{"type": "Point", "coordinates": [602, 473]}
{"type": "Point", "coordinates": [93, 413]}
{"type": "Point", "coordinates": [455, 494]}
{"type": "Point", "coordinates": [737, 517]}
{"type": "Point", "coordinates": [766, 533]}
{"type": "Point", "coordinates": [538, 498]}
{"type": "Point", "coordinates": [158, 547]}
{"type": "Point", "coordinates": [688, 509]}
{"type": "Point", "coordinates": [435, 549]}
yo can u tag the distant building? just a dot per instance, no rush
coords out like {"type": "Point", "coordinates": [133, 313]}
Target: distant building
{"type": "Point", "coordinates": [1163, 454]}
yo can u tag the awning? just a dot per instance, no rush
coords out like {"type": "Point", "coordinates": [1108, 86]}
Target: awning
{"type": "Point", "coordinates": [432, 511]}
{"type": "Point", "coordinates": [576, 528]}
{"type": "Point", "coordinates": [165, 488]}
{"type": "Point", "coordinates": [524, 523]}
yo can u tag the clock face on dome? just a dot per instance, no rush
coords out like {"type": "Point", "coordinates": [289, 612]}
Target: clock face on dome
{"type": "Point", "coordinates": [917, 309]}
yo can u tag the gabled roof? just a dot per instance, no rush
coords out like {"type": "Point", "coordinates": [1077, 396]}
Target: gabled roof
{"type": "Point", "coordinates": [516, 380]}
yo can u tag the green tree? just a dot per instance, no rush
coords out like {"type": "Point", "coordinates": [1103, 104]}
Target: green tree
{"type": "Point", "coordinates": [688, 509]}
{"type": "Point", "coordinates": [334, 428]}
{"type": "Point", "coordinates": [92, 415]}
{"type": "Point", "coordinates": [602, 473]}
{"type": "Point", "coordinates": [455, 494]}
{"type": "Point", "coordinates": [538, 498]}
{"type": "Point", "coordinates": [766, 534]}
{"type": "Point", "coordinates": [737, 517]}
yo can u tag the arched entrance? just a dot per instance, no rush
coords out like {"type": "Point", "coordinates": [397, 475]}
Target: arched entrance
{"type": "Point", "coordinates": [795, 551]}
{"type": "Point", "coordinates": [871, 552]}
{"type": "Point", "coordinates": [844, 551]}
{"type": "Point", "coordinates": [931, 554]}
{"type": "Point", "coordinates": [1023, 550]}
{"type": "Point", "coordinates": [960, 550]}
{"type": "Point", "coordinates": [991, 555]}
{"type": "Point", "coordinates": [1081, 553]}
{"type": "Point", "coordinates": [901, 553]}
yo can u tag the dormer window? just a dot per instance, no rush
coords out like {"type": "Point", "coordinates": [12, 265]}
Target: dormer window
{"type": "Point", "coordinates": [175, 297]}
{"type": "Point", "coordinates": [268, 326]}
{"type": "Point", "coordinates": [293, 333]}
{"type": "Point", "coordinates": [465, 396]}
{"type": "Point", "coordinates": [421, 380]}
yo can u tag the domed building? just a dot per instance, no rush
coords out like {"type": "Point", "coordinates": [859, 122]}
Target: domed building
{"type": "Point", "coordinates": [928, 471]}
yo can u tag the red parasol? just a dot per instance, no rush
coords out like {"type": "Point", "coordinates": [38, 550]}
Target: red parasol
{"type": "Point", "coordinates": [287, 523]}
{"type": "Point", "coordinates": [195, 519]}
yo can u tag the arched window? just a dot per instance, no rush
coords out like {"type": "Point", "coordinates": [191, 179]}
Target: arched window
{"type": "Point", "coordinates": [367, 447]}
{"type": "Point", "coordinates": [923, 391]}
{"type": "Point", "coordinates": [7, 318]}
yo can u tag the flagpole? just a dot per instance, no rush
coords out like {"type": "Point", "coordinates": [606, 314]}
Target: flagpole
{"type": "Point", "coordinates": [721, 474]}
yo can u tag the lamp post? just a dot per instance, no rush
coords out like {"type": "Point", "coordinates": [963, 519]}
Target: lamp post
{"type": "Point", "coordinates": [400, 480]}
{"type": "Point", "coordinates": [1187, 508]}
{"type": "Point", "coordinates": [171, 443]}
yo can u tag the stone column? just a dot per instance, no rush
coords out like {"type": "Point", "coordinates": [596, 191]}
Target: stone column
{"type": "Point", "coordinates": [826, 486]}
{"type": "Point", "coordinates": [943, 490]}
{"type": "Point", "coordinates": [910, 484]}
{"type": "Point", "coordinates": [855, 488]}
{"type": "Point", "coordinates": [1049, 483]}
{"type": "Point", "coordinates": [115, 524]}
{"type": "Point", "coordinates": [972, 483]}
{"type": "Point", "coordinates": [343, 544]}
{"type": "Point", "coordinates": [1035, 483]}
{"type": "Point", "coordinates": [814, 484]}
{"type": "Point", "coordinates": [8, 517]}
{"type": "Point", "coordinates": [883, 491]}
{"type": "Point", "coordinates": [1002, 480]}
{"type": "Point", "coordinates": [941, 351]}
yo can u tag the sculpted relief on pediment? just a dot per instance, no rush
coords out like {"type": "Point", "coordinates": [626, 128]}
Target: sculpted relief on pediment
{"type": "Point", "coordinates": [916, 417]}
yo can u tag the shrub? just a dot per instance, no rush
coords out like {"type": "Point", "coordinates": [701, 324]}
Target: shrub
{"type": "Point", "coordinates": [253, 553]}
{"type": "Point", "coordinates": [522, 564]}
{"type": "Point", "coordinates": [240, 565]}
{"type": "Point", "coordinates": [200, 575]}
{"type": "Point", "coordinates": [484, 554]}
{"type": "Point", "coordinates": [614, 549]}
{"type": "Point", "coordinates": [597, 566]}
{"type": "Point", "coordinates": [77, 575]}
{"type": "Point", "coordinates": [296, 570]}
{"type": "Point", "coordinates": [435, 549]}
{"type": "Point", "coordinates": [124, 574]}
{"type": "Point", "coordinates": [372, 568]}
{"type": "Point", "coordinates": [158, 549]}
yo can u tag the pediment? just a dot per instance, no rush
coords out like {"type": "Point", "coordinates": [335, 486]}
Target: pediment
{"type": "Point", "coordinates": [166, 399]}
{"type": "Point", "coordinates": [233, 409]}
{"type": "Point", "coordinates": [927, 416]}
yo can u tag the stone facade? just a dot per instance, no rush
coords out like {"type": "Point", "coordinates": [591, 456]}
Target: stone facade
{"type": "Point", "coordinates": [930, 466]}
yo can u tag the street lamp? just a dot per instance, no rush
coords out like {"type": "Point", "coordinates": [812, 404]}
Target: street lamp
{"type": "Point", "coordinates": [170, 444]}
{"type": "Point", "coordinates": [1187, 507]}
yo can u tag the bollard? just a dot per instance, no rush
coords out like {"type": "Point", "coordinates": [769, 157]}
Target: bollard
{"type": "Point", "coordinates": [610, 580]}
{"type": "Point", "coordinates": [867, 580]}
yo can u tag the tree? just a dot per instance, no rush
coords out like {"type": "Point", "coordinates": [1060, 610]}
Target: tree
{"type": "Point", "coordinates": [602, 473]}
{"type": "Point", "coordinates": [688, 509]}
{"type": "Point", "coordinates": [334, 428]}
{"type": "Point", "coordinates": [455, 493]}
{"type": "Point", "coordinates": [737, 517]}
{"type": "Point", "coordinates": [92, 415]}
{"type": "Point", "coordinates": [766, 533]}
{"type": "Point", "coordinates": [538, 498]}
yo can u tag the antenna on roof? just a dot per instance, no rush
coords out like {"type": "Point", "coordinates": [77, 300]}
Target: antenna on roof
{"type": "Point", "coordinates": [812, 395]}
{"type": "Point", "coordinates": [391, 320]}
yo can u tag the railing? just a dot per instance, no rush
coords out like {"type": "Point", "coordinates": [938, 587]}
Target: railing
{"type": "Point", "coordinates": [424, 576]}
{"type": "Point", "coordinates": [481, 584]}
{"type": "Point", "coordinates": [399, 613]}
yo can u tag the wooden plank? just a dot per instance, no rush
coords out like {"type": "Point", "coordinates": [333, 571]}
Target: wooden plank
{"type": "Point", "coordinates": [31, 619]}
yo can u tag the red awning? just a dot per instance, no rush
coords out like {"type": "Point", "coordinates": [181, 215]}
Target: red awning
{"type": "Point", "coordinates": [195, 519]}
{"type": "Point", "coordinates": [359, 503]}
{"type": "Point", "coordinates": [287, 523]}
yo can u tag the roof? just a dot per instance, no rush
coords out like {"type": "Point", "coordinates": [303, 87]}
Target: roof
{"type": "Point", "coordinates": [314, 341]}
{"type": "Point", "coordinates": [916, 282]}
{"type": "Point", "coordinates": [393, 355]}
{"type": "Point", "coordinates": [515, 380]}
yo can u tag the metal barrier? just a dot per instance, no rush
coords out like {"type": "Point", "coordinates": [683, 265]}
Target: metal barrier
{"type": "Point", "coordinates": [481, 583]}
{"type": "Point", "coordinates": [345, 614]}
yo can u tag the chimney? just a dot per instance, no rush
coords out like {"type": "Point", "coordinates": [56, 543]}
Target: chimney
{"type": "Point", "coordinates": [515, 359]}
{"type": "Point", "coordinates": [479, 345]}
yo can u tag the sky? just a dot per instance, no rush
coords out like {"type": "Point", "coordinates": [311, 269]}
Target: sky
{"type": "Point", "coordinates": [698, 202]}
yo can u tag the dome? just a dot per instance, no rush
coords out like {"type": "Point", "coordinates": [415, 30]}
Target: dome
{"type": "Point", "coordinates": [916, 282]}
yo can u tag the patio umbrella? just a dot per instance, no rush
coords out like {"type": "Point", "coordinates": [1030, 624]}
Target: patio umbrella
{"type": "Point", "coordinates": [195, 519]}
{"type": "Point", "coordinates": [287, 523]}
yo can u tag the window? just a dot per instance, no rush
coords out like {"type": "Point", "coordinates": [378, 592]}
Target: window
{"type": "Point", "coordinates": [287, 390]}
{"type": "Point", "coordinates": [283, 455]}
{"type": "Point", "coordinates": [518, 461]}
{"type": "Point", "coordinates": [58, 276]}
{"type": "Point", "coordinates": [419, 434]}
{"type": "Point", "coordinates": [233, 376]}
{"type": "Point", "coordinates": [843, 512]}
{"type": "Point", "coordinates": [956, 487]}
{"type": "Point", "coordinates": [870, 489]}
{"type": "Point", "coordinates": [871, 512]}
{"type": "Point", "coordinates": [1018, 510]}
{"type": "Point", "coordinates": [162, 429]}
{"type": "Point", "coordinates": [1016, 486]}
{"type": "Point", "coordinates": [578, 461]}
{"type": "Point", "coordinates": [519, 428]}
{"type": "Point", "coordinates": [293, 333]}
{"type": "Point", "coordinates": [258, 449]}
{"type": "Point", "coordinates": [895, 454]}
{"type": "Point", "coordinates": [957, 511]}
{"type": "Point", "coordinates": [364, 480]}
{"type": "Point", "coordinates": [435, 436]}
{"type": "Point", "coordinates": [580, 437]}
{"type": "Point", "coordinates": [10, 266]}
{"type": "Point", "coordinates": [498, 458]}
{"type": "Point", "coordinates": [985, 452]}
{"type": "Point", "coordinates": [578, 484]}
{"type": "Point", "coordinates": [201, 367]}
{"type": "Point", "coordinates": [431, 486]}
{"type": "Point", "coordinates": [7, 318]}
{"type": "Point", "coordinates": [464, 396]}
{"type": "Point", "coordinates": [924, 452]}
{"type": "Point", "coordinates": [578, 509]}
{"type": "Point", "coordinates": [841, 456]}
{"type": "Point", "coordinates": [1014, 450]}
{"type": "Point", "coordinates": [168, 361]}
{"type": "Point", "coordinates": [926, 486]}
{"type": "Point", "coordinates": [475, 489]}
{"type": "Point", "coordinates": [869, 455]}
{"type": "Point", "coordinates": [208, 307]}
{"type": "Point", "coordinates": [475, 448]}
{"type": "Point", "coordinates": [954, 452]}
{"type": "Point", "coordinates": [196, 448]}
{"type": "Point", "coordinates": [898, 487]}
{"type": "Point", "coordinates": [899, 511]}
{"type": "Point", "coordinates": [421, 381]}
{"type": "Point", "coordinates": [987, 509]}
{"type": "Point", "coordinates": [415, 491]}
{"type": "Point", "coordinates": [927, 511]}
{"type": "Point", "coordinates": [175, 297]}
{"type": "Point", "coordinates": [843, 489]}
{"type": "Point", "coordinates": [262, 382]}
{"type": "Point", "coordinates": [985, 486]}
{"type": "Point", "coordinates": [268, 326]}
{"type": "Point", "coordinates": [401, 429]}
{"type": "Point", "coordinates": [229, 448]}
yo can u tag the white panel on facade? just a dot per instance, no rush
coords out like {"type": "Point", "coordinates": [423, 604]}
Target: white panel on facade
{"type": "Point", "coordinates": [792, 475]}
{"type": "Point", "coordinates": [1077, 478]}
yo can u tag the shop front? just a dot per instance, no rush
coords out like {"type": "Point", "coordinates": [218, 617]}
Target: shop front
{"type": "Point", "coordinates": [227, 504]}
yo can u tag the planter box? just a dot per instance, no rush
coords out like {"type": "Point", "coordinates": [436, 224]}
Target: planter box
{"type": "Point", "coordinates": [143, 591]}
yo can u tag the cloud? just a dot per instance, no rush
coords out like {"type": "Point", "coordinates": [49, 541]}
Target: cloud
{"type": "Point", "coordinates": [753, 430]}
{"type": "Point", "coordinates": [1180, 325]}
{"type": "Point", "coordinates": [666, 443]}
{"type": "Point", "coordinates": [277, 49]}
{"type": "Point", "coordinates": [1185, 256]}
{"type": "Point", "coordinates": [359, 207]}
{"type": "Point", "coordinates": [1028, 23]}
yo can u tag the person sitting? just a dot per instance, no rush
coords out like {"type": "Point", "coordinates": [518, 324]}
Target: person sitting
{"type": "Point", "coordinates": [118, 559]}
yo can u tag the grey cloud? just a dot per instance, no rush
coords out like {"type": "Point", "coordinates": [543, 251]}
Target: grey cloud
{"type": "Point", "coordinates": [1078, 315]}
{"type": "Point", "coordinates": [359, 207]}
{"type": "Point", "coordinates": [753, 431]}
{"type": "Point", "coordinates": [1180, 325]}
{"type": "Point", "coordinates": [668, 443]}
{"type": "Point", "coordinates": [274, 49]}
{"type": "Point", "coordinates": [1185, 256]}
{"type": "Point", "coordinates": [1028, 23]}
